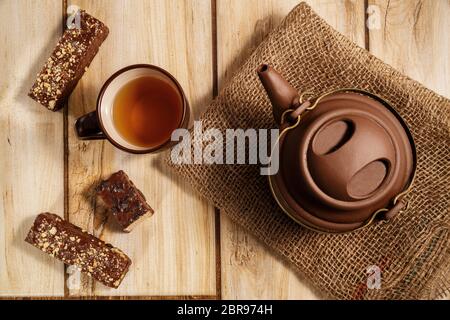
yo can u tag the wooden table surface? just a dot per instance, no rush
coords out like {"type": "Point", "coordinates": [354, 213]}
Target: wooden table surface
{"type": "Point", "coordinates": [187, 249]}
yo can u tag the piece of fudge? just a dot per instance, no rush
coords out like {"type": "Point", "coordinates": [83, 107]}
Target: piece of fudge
{"type": "Point", "coordinates": [126, 202]}
{"type": "Point", "coordinates": [68, 62]}
{"type": "Point", "coordinates": [73, 246]}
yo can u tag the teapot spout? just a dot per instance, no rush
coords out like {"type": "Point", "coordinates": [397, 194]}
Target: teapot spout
{"type": "Point", "coordinates": [281, 93]}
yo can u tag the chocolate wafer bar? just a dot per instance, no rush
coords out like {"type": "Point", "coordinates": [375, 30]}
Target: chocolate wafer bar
{"type": "Point", "coordinates": [73, 246]}
{"type": "Point", "coordinates": [68, 62]}
{"type": "Point", "coordinates": [126, 202]}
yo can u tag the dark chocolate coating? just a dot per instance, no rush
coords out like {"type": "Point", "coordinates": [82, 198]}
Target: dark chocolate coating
{"type": "Point", "coordinates": [123, 199]}
{"type": "Point", "coordinates": [72, 55]}
{"type": "Point", "coordinates": [73, 246]}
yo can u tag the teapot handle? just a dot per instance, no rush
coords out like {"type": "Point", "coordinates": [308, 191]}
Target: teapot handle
{"type": "Point", "coordinates": [291, 116]}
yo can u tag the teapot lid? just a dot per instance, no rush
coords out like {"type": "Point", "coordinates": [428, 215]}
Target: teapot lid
{"type": "Point", "coordinates": [346, 160]}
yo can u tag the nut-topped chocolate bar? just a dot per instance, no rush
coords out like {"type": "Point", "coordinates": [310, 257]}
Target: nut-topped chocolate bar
{"type": "Point", "coordinates": [73, 246]}
{"type": "Point", "coordinates": [68, 62]}
{"type": "Point", "coordinates": [126, 202]}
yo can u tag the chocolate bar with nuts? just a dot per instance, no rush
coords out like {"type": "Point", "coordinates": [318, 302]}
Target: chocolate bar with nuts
{"type": "Point", "coordinates": [126, 202]}
{"type": "Point", "coordinates": [68, 62]}
{"type": "Point", "coordinates": [73, 246]}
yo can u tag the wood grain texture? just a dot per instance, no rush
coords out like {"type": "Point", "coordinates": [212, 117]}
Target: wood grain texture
{"type": "Point", "coordinates": [414, 38]}
{"type": "Point", "coordinates": [31, 139]}
{"type": "Point", "coordinates": [249, 269]}
{"type": "Point", "coordinates": [173, 253]}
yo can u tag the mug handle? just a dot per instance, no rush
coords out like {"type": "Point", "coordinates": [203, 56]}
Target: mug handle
{"type": "Point", "coordinates": [88, 127]}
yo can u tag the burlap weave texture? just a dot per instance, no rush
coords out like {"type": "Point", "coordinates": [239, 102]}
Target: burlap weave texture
{"type": "Point", "coordinates": [412, 250]}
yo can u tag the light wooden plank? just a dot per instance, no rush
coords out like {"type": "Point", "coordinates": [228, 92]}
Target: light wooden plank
{"type": "Point", "coordinates": [31, 156]}
{"type": "Point", "coordinates": [249, 269]}
{"type": "Point", "coordinates": [413, 38]}
{"type": "Point", "coordinates": [173, 253]}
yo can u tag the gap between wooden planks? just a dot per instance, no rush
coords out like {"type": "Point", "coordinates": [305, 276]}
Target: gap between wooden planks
{"type": "Point", "coordinates": [409, 39]}
{"type": "Point", "coordinates": [249, 269]}
{"type": "Point", "coordinates": [173, 253]}
{"type": "Point", "coordinates": [246, 269]}
{"type": "Point", "coordinates": [31, 158]}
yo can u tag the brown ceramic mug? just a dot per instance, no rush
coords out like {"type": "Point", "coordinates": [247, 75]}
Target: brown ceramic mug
{"type": "Point", "coordinates": [100, 124]}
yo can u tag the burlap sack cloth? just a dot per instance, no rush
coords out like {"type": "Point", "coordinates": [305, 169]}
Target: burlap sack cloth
{"type": "Point", "coordinates": [412, 250]}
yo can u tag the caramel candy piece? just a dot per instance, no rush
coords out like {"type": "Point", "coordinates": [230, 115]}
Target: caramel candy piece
{"type": "Point", "coordinates": [72, 55]}
{"type": "Point", "coordinates": [73, 246]}
{"type": "Point", "coordinates": [124, 200]}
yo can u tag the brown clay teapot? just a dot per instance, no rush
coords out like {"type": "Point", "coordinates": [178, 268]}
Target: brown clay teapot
{"type": "Point", "coordinates": [346, 158]}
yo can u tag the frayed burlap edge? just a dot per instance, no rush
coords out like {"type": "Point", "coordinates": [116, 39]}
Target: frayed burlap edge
{"type": "Point", "coordinates": [420, 270]}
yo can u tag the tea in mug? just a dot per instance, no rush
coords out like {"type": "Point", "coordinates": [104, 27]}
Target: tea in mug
{"type": "Point", "coordinates": [147, 110]}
